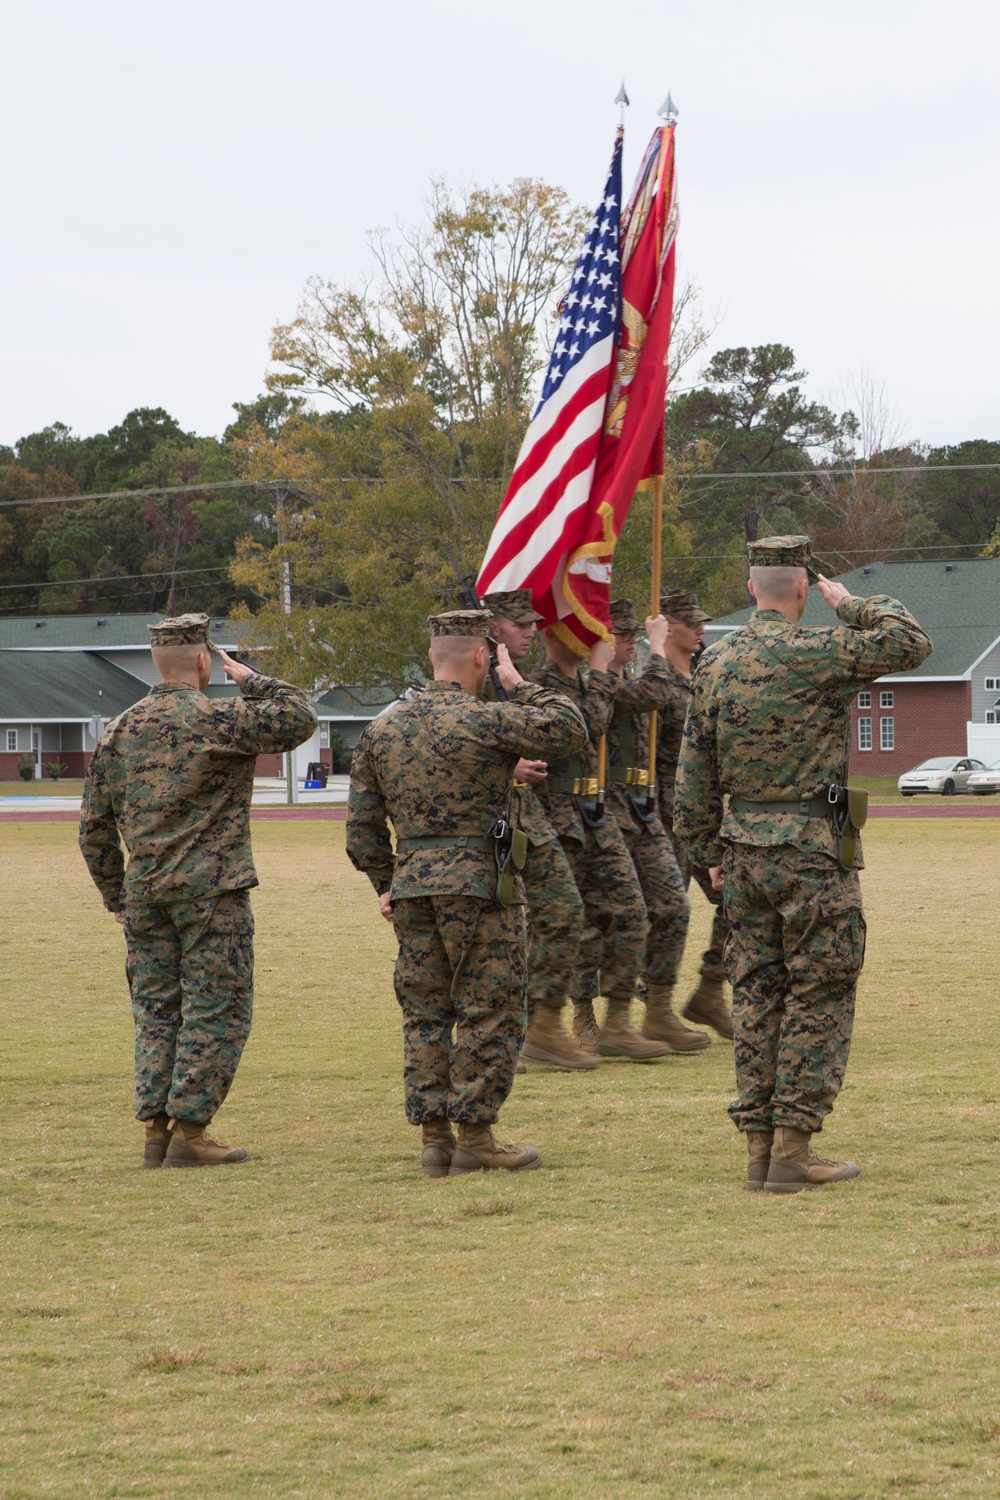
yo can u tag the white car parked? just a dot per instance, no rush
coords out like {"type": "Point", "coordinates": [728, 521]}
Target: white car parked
{"type": "Point", "coordinates": [944, 774]}
{"type": "Point", "coordinates": [986, 783]}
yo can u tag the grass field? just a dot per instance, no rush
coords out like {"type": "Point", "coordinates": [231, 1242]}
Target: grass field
{"type": "Point", "coordinates": [626, 1322]}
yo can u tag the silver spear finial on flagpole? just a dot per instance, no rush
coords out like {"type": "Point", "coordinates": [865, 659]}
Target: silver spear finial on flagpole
{"type": "Point", "coordinates": [668, 110]}
{"type": "Point", "coordinates": [622, 98]}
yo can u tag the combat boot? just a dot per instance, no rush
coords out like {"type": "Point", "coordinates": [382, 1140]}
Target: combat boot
{"type": "Point", "coordinates": [520, 1066]}
{"type": "Point", "coordinates": [795, 1166]}
{"type": "Point", "coordinates": [617, 1038]}
{"type": "Point", "coordinates": [585, 1027]}
{"type": "Point", "coordinates": [546, 1042]}
{"type": "Point", "coordinates": [707, 1006]}
{"type": "Point", "coordinates": [157, 1137]}
{"type": "Point", "coordinates": [663, 1026]}
{"type": "Point", "coordinates": [191, 1146]}
{"type": "Point", "coordinates": [759, 1144]}
{"type": "Point", "coordinates": [478, 1150]}
{"type": "Point", "coordinates": [439, 1147]}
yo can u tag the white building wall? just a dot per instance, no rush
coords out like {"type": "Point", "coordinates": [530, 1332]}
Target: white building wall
{"type": "Point", "coordinates": [985, 700]}
{"type": "Point", "coordinates": [983, 742]}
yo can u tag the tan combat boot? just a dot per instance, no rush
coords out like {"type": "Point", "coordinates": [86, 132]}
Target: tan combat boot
{"type": "Point", "coordinates": [585, 1027]}
{"type": "Point", "coordinates": [707, 1006]}
{"type": "Point", "coordinates": [439, 1147]}
{"type": "Point", "coordinates": [663, 1026]}
{"type": "Point", "coordinates": [157, 1136]}
{"type": "Point", "coordinates": [191, 1146]}
{"type": "Point", "coordinates": [759, 1144]}
{"type": "Point", "coordinates": [618, 1039]}
{"type": "Point", "coordinates": [546, 1042]}
{"type": "Point", "coordinates": [478, 1150]}
{"type": "Point", "coordinates": [795, 1167]}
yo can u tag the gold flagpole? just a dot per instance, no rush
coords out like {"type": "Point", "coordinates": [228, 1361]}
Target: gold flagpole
{"type": "Point", "coordinates": [654, 609]}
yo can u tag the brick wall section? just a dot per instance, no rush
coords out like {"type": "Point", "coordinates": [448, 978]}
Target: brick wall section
{"type": "Point", "coordinates": [930, 719]}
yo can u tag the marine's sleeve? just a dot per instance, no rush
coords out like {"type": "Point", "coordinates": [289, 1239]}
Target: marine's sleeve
{"type": "Point", "coordinates": [599, 701]}
{"type": "Point", "coordinates": [369, 846]}
{"type": "Point", "coordinates": [539, 723]}
{"type": "Point", "coordinates": [99, 842]}
{"type": "Point", "coordinates": [651, 689]}
{"type": "Point", "coordinates": [271, 715]}
{"type": "Point", "coordinates": [698, 804]}
{"type": "Point", "coordinates": [883, 637]}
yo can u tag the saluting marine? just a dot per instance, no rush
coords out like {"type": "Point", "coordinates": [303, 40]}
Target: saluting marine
{"type": "Point", "coordinates": [639, 820]}
{"type": "Point", "coordinates": [173, 778]}
{"type": "Point", "coordinates": [556, 921]}
{"type": "Point", "coordinates": [769, 726]}
{"type": "Point", "coordinates": [441, 768]}
{"type": "Point", "coordinates": [615, 940]}
{"type": "Point", "coordinates": [686, 621]}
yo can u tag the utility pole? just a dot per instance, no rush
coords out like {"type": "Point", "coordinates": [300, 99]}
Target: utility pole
{"type": "Point", "coordinates": [280, 496]}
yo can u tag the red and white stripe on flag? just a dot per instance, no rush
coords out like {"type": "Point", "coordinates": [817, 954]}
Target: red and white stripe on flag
{"type": "Point", "coordinates": [543, 517]}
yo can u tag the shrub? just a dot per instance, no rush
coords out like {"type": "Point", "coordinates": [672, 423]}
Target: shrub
{"type": "Point", "coordinates": [340, 755]}
{"type": "Point", "coordinates": [55, 769]}
{"type": "Point", "coordinates": [26, 767]}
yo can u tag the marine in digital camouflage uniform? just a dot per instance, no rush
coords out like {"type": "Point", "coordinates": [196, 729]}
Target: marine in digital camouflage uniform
{"type": "Point", "coordinates": [707, 1004]}
{"type": "Point", "coordinates": [652, 852]}
{"type": "Point", "coordinates": [556, 921]}
{"type": "Point", "coordinates": [172, 779]}
{"type": "Point", "coordinates": [769, 725]}
{"type": "Point", "coordinates": [441, 768]}
{"type": "Point", "coordinates": [615, 940]}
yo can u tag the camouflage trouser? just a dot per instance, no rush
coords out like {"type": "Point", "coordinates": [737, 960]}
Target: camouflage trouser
{"type": "Point", "coordinates": [190, 972]}
{"type": "Point", "coordinates": [461, 964]}
{"type": "Point", "coordinates": [614, 944]}
{"type": "Point", "coordinates": [556, 923]}
{"type": "Point", "coordinates": [711, 960]}
{"type": "Point", "coordinates": [667, 905]}
{"type": "Point", "coordinates": [795, 950]}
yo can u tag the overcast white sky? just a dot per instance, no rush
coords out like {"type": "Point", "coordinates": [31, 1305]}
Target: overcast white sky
{"type": "Point", "coordinates": [174, 172]}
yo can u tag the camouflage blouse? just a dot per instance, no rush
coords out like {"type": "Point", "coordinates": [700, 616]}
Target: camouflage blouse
{"type": "Point", "coordinates": [770, 720]}
{"type": "Point", "coordinates": [443, 764]}
{"type": "Point", "coordinates": [173, 776]}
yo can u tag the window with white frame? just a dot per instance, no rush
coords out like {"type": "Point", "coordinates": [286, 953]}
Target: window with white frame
{"type": "Point", "coordinates": [864, 700]}
{"type": "Point", "coordinates": [887, 734]}
{"type": "Point", "coordinates": [991, 716]}
{"type": "Point", "coordinates": [12, 739]}
{"type": "Point", "coordinates": [993, 684]}
{"type": "Point", "coordinates": [885, 700]}
{"type": "Point", "coordinates": [864, 734]}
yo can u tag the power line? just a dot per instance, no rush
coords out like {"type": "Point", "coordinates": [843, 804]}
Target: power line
{"type": "Point", "coordinates": [838, 473]}
{"type": "Point", "coordinates": [172, 489]}
{"type": "Point", "coordinates": [58, 583]}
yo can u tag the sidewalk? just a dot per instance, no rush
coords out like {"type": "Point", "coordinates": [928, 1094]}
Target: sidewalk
{"type": "Point", "coordinates": [270, 791]}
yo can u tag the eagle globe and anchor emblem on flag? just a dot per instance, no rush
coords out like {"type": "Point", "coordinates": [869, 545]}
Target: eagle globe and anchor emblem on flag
{"type": "Point", "coordinates": [596, 436]}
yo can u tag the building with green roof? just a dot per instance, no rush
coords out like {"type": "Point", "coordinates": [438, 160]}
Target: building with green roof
{"type": "Point", "coordinates": [950, 705]}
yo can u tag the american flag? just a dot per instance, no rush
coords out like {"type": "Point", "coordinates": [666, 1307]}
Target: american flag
{"type": "Point", "coordinates": [544, 511]}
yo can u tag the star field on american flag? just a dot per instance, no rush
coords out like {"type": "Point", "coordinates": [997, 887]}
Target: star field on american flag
{"type": "Point", "coordinates": [590, 309]}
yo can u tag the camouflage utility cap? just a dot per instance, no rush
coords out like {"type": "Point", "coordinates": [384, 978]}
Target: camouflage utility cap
{"type": "Point", "coordinates": [185, 630]}
{"type": "Point", "coordinates": [678, 605]}
{"type": "Point", "coordinates": [782, 552]}
{"type": "Point", "coordinates": [623, 620]}
{"type": "Point", "coordinates": [467, 622]}
{"type": "Point", "coordinates": [514, 604]}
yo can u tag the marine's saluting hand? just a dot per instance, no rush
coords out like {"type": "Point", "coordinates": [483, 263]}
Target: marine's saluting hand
{"type": "Point", "coordinates": [508, 674]}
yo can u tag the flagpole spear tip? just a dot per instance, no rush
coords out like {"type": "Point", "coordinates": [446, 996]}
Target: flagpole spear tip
{"type": "Point", "coordinates": [668, 110]}
{"type": "Point", "coordinates": [622, 98]}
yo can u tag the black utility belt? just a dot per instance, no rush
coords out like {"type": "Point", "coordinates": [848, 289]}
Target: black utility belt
{"type": "Point", "coordinates": [630, 775]}
{"type": "Point", "coordinates": [809, 807]}
{"type": "Point", "coordinates": [445, 841]}
{"type": "Point", "coordinates": [845, 807]}
{"type": "Point", "coordinates": [572, 786]}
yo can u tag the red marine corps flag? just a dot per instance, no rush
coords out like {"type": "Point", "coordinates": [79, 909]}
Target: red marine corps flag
{"type": "Point", "coordinates": [567, 501]}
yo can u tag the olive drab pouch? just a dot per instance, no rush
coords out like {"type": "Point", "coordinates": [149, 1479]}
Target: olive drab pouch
{"type": "Point", "coordinates": [850, 814]}
{"type": "Point", "coordinates": [511, 853]}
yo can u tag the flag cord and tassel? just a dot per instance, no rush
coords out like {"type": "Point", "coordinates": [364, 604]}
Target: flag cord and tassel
{"type": "Point", "coordinates": [654, 610]}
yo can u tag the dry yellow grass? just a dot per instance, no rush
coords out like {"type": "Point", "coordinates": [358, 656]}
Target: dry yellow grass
{"type": "Point", "coordinates": [325, 1322]}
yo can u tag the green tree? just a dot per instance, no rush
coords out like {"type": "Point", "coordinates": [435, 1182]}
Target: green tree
{"type": "Point", "coordinates": [384, 503]}
{"type": "Point", "coordinates": [964, 503]}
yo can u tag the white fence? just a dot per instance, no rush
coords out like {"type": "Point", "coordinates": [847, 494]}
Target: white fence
{"type": "Point", "coordinates": [983, 741]}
